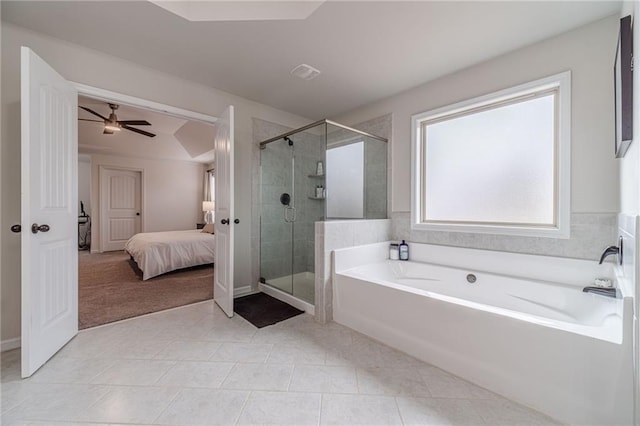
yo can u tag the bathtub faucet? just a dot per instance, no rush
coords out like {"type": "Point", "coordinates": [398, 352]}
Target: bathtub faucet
{"type": "Point", "coordinates": [609, 292]}
{"type": "Point", "coordinates": [611, 250]}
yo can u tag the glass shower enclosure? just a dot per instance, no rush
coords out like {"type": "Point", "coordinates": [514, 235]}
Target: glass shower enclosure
{"type": "Point", "coordinates": [324, 171]}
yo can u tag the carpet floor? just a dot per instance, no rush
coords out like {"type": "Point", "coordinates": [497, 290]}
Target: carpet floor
{"type": "Point", "coordinates": [110, 288]}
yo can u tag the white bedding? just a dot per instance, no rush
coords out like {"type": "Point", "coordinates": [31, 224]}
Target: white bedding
{"type": "Point", "coordinates": [159, 252]}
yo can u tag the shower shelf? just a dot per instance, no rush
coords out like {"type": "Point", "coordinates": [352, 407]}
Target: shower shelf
{"type": "Point", "coordinates": [317, 176]}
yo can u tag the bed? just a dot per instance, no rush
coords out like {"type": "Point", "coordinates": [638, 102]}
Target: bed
{"type": "Point", "coordinates": [157, 253]}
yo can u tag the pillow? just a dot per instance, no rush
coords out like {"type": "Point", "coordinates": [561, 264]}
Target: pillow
{"type": "Point", "coordinates": [208, 229]}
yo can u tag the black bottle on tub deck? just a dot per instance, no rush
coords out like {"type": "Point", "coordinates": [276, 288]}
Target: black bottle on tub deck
{"type": "Point", "coordinates": [404, 250]}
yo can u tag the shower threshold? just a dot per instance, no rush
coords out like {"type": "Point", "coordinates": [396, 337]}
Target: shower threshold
{"type": "Point", "coordinates": [303, 289]}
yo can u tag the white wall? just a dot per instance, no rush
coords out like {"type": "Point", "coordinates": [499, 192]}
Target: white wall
{"type": "Point", "coordinates": [587, 51]}
{"type": "Point", "coordinates": [100, 70]}
{"type": "Point", "coordinates": [171, 193]}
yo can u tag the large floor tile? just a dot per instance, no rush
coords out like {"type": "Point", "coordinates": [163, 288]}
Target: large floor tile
{"type": "Point", "coordinates": [442, 412]}
{"type": "Point", "coordinates": [196, 407]}
{"type": "Point", "coordinates": [444, 385]}
{"type": "Point", "coordinates": [70, 370]}
{"type": "Point", "coordinates": [508, 413]}
{"type": "Point", "coordinates": [300, 353]}
{"type": "Point", "coordinates": [188, 350]}
{"type": "Point", "coordinates": [196, 374]}
{"type": "Point", "coordinates": [56, 402]}
{"type": "Point", "coordinates": [391, 381]}
{"type": "Point", "coordinates": [323, 378]}
{"type": "Point", "coordinates": [134, 372]}
{"type": "Point", "coordinates": [259, 377]}
{"type": "Point", "coordinates": [242, 352]}
{"type": "Point", "coordinates": [230, 332]}
{"type": "Point", "coordinates": [130, 404]}
{"type": "Point", "coordinates": [359, 410]}
{"type": "Point", "coordinates": [137, 349]}
{"type": "Point", "coordinates": [281, 408]}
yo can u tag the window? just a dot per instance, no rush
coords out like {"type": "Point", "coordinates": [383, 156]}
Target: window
{"type": "Point", "coordinates": [496, 164]}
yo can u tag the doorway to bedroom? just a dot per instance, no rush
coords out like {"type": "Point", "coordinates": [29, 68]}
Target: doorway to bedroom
{"type": "Point", "coordinates": [141, 189]}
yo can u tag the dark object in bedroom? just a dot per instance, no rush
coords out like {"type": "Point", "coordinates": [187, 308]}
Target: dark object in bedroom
{"type": "Point", "coordinates": [84, 229]}
{"type": "Point", "coordinates": [262, 310]}
{"type": "Point", "coordinates": [199, 225]}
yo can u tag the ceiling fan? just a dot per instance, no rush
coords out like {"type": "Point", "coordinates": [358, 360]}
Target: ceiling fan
{"type": "Point", "coordinates": [112, 124]}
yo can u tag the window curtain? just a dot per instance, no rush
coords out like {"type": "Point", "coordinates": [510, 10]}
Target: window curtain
{"type": "Point", "coordinates": [209, 185]}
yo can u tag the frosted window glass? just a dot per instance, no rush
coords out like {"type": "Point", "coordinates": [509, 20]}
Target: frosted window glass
{"type": "Point", "coordinates": [493, 166]}
{"type": "Point", "coordinates": [345, 181]}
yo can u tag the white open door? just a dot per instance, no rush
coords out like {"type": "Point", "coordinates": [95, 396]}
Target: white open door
{"type": "Point", "coordinates": [49, 211]}
{"type": "Point", "coordinates": [223, 281]}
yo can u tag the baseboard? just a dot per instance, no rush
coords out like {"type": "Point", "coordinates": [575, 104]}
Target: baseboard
{"type": "Point", "coordinates": [242, 291]}
{"type": "Point", "coordinates": [9, 344]}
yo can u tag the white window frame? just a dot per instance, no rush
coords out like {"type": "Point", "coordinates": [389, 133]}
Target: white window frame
{"type": "Point", "coordinates": [562, 194]}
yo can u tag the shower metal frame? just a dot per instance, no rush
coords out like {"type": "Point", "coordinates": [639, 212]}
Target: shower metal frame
{"type": "Point", "coordinates": [264, 143]}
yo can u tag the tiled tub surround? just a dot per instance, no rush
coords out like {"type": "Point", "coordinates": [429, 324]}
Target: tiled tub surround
{"type": "Point", "coordinates": [524, 329]}
{"type": "Point", "coordinates": [194, 366]}
{"type": "Point", "coordinates": [590, 234]}
{"type": "Point", "coordinates": [334, 235]}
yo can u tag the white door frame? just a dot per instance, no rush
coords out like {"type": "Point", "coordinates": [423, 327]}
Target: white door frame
{"type": "Point", "coordinates": [100, 211]}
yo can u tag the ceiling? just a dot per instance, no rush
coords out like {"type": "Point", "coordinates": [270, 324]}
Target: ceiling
{"type": "Point", "coordinates": [176, 138]}
{"type": "Point", "coordinates": [365, 50]}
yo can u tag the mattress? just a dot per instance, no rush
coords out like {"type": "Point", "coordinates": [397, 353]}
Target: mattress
{"type": "Point", "coordinates": [157, 253]}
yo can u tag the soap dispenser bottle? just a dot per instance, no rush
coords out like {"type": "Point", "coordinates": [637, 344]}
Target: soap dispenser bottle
{"type": "Point", "coordinates": [403, 248]}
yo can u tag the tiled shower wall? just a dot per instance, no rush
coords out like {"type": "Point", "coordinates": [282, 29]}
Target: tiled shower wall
{"type": "Point", "coordinates": [375, 168]}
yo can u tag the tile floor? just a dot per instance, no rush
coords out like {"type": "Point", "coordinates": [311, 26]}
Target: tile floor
{"type": "Point", "coordinates": [195, 366]}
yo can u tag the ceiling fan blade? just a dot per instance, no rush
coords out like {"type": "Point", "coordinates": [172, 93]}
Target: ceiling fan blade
{"type": "Point", "coordinates": [93, 112]}
{"type": "Point", "coordinates": [135, 122]}
{"type": "Point", "coordinates": [86, 119]}
{"type": "Point", "coordinates": [142, 132]}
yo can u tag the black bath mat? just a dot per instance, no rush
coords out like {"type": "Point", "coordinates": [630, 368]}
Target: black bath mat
{"type": "Point", "coordinates": [262, 310]}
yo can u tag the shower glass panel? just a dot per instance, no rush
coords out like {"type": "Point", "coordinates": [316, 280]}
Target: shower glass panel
{"type": "Point", "coordinates": [277, 215]}
{"type": "Point", "coordinates": [324, 171]}
{"type": "Point", "coordinates": [291, 204]}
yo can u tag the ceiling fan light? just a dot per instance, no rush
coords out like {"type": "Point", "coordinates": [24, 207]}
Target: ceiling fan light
{"type": "Point", "coordinates": [112, 127]}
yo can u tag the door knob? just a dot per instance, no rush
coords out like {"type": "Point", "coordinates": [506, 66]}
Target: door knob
{"type": "Point", "coordinates": [35, 228]}
{"type": "Point", "coordinates": [236, 221]}
{"type": "Point", "coordinates": [138, 214]}
{"type": "Point", "coordinates": [16, 228]}
{"type": "Point", "coordinates": [224, 221]}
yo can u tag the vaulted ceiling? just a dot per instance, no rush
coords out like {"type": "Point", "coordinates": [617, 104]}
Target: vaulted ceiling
{"type": "Point", "coordinates": [365, 50]}
{"type": "Point", "coordinates": [176, 138]}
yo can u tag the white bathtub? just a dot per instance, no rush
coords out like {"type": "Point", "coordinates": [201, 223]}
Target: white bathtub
{"type": "Point", "coordinates": [523, 329]}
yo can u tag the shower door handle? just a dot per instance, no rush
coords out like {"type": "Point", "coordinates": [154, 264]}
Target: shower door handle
{"type": "Point", "coordinates": [288, 219]}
